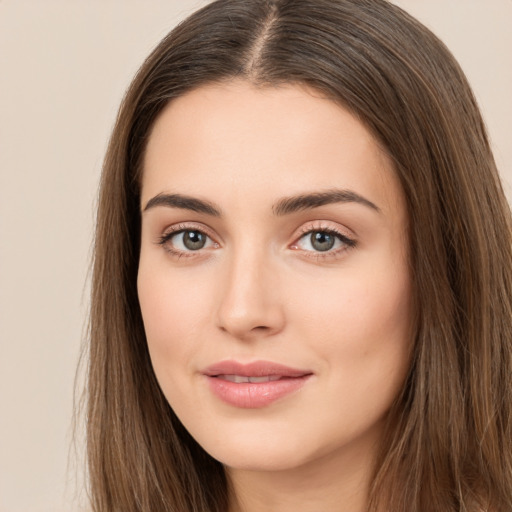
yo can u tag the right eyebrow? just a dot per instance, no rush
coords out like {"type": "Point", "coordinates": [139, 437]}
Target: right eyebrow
{"type": "Point", "coordinates": [183, 202]}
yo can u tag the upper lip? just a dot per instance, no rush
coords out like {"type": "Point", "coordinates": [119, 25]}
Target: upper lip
{"type": "Point", "coordinates": [254, 369]}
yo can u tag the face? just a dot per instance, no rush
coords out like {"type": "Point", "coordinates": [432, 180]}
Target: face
{"type": "Point", "coordinates": [273, 280]}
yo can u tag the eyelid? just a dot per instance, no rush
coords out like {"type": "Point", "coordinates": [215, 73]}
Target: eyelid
{"type": "Point", "coordinates": [324, 225]}
{"type": "Point", "coordinates": [188, 226]}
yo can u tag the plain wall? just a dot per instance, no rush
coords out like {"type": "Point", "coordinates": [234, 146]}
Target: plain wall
{"type": "Point", "coordinates": [64, 66]}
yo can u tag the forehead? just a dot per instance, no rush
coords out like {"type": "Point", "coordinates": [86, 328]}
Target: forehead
{"type": "Point", "coordinates": [234, 139]}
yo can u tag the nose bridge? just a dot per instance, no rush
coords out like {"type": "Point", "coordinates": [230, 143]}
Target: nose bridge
{"type": "Point", "coordinates": [249, 303]}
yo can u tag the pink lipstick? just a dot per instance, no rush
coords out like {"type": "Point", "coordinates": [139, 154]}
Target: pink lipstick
{"type": "Point", "coordinates": [253, 385]}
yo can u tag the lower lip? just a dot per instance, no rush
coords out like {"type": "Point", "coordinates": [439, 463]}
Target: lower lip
{"type": "Point", "coordinates": [253, 395]}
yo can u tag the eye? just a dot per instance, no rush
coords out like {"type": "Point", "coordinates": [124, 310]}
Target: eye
{"type": "Point", "coordinates": [186, 240]}
{"type": "Point", "coordinates": [323, 240]}
{"type": "Point", "coordinates": [190, 240]}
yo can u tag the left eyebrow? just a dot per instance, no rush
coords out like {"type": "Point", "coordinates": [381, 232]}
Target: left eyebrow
{"type": "Point", "coordinates": [302, 202]}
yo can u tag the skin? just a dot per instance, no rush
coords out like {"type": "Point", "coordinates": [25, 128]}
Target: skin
{"type": "Point", "coordinates": [260, 290]}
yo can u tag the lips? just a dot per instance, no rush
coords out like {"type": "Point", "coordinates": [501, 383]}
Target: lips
{"type": "Point", "coordinates": [254, 385]}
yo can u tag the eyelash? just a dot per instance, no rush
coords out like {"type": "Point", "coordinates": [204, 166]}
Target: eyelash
{"type": "Point", "coordinates": [348, 243]}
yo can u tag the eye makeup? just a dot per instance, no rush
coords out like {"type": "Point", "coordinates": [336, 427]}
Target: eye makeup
{"type": "Point", "coordinates": [317, 240]}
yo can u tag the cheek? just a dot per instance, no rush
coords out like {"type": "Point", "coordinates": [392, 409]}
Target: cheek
{"type": "Point", "coordinates": [361, 334]}
{"type": "Point", "coordinates": [171, 307]}
{"type": "Point", "coordinates": [357, 307]}
{"type": "Point", "coordinates": [360, 325]}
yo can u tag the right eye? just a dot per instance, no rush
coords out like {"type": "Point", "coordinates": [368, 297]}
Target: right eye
{"type": "Point", "coordinates": [185, 241]}
{"type": "Point", "coordinates": [191, 240]}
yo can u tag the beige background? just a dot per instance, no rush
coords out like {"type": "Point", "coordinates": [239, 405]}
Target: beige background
{"type": "Point", "coordinates": [63, 68]}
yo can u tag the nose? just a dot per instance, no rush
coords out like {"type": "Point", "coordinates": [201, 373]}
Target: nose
{"type": "Point", "coordinates": [250, 305]}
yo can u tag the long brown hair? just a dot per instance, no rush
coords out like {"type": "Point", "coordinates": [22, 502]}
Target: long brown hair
{"type": "Point", "coordinates": [448, 440]}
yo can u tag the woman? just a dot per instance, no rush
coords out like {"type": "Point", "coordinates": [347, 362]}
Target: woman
{"type": "Point", "coordinates": [301, 292]}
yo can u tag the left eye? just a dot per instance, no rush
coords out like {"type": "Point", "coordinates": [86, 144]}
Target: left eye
{"type": "Point", "coordinates": [189, 240]}
{"type": "Point", "coordinates": [323, 241]}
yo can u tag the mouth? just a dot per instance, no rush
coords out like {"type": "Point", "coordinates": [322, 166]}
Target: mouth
{"type": "Point", "coordinates": [254, 385]}
{"type": "Point", "coordinates": [238, 379]}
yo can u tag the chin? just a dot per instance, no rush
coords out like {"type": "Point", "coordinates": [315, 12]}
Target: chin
{"type": "Point", "coordinates": [275, 451]}
{"type": "Point", "coordinates": [250, 448]}
{"type": "Point", "coordinates": [261, 460]}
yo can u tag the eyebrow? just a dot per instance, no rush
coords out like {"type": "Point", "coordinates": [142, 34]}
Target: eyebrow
{"type": "Point", "coordinates": [183, 202]}
{"type": "Point", "coordinates": [302, 202]}
{"type": "Point", "coordinates": [284, 206]}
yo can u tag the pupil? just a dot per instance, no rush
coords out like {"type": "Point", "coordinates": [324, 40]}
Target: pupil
{"type": "Point", "coordinates": [194, 240]}
{"type": "Point", "coordinates": [322, 241]}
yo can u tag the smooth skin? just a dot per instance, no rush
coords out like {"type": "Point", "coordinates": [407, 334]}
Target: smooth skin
{"type": "Point", "coordinates": [324, 288]}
